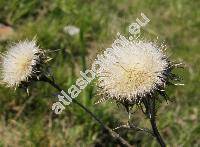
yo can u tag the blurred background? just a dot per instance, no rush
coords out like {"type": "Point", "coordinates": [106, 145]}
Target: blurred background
{"type": "Point", "coordinates": [75, 31]}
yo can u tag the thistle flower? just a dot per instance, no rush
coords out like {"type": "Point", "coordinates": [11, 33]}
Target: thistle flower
{"type": "Point", "coordinates": [21, 63]}
{"type": "Point", "coordinates": [133, 70]}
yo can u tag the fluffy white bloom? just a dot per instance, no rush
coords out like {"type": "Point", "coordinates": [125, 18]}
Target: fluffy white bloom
{"type": "Point", "coordinates": [131, 70]}
{"type": "Point", "coordinates": [19, 63]}
{"type": "Point", "coordinates": [71, 30]}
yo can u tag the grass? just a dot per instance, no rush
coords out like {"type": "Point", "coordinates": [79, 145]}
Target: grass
{"type": "Point", "coordinates": [176, 22]}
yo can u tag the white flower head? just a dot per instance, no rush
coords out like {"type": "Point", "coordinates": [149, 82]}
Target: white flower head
{"type": "Point", "coordinates": [21, 63]}
{"type": "Point", "coordinates": [131, 70]}
{"type": "Point", "coordinates": [71, 30]}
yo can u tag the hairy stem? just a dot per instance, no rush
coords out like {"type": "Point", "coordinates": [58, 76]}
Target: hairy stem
{"type": "Point", "coordinates": [109, 130]}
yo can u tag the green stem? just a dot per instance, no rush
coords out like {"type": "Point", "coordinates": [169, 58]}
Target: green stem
{"type": "Point", "coordinates": [110, 131]}
{"type": "Point", "coordinates": [149, 104]}
{"type": "Point", "coordinates": [154, 126]}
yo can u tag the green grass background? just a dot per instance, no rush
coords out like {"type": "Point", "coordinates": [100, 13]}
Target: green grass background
{"type": "Point", "coordinates": [29, 120]}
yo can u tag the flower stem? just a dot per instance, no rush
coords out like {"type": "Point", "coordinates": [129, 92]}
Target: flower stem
{"type": "Point", "coordinates": [152, 118]}
{"type": "Point", "coordinates": [150, 104]}
{"type": "Point", "coordinates": [109, 130]}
